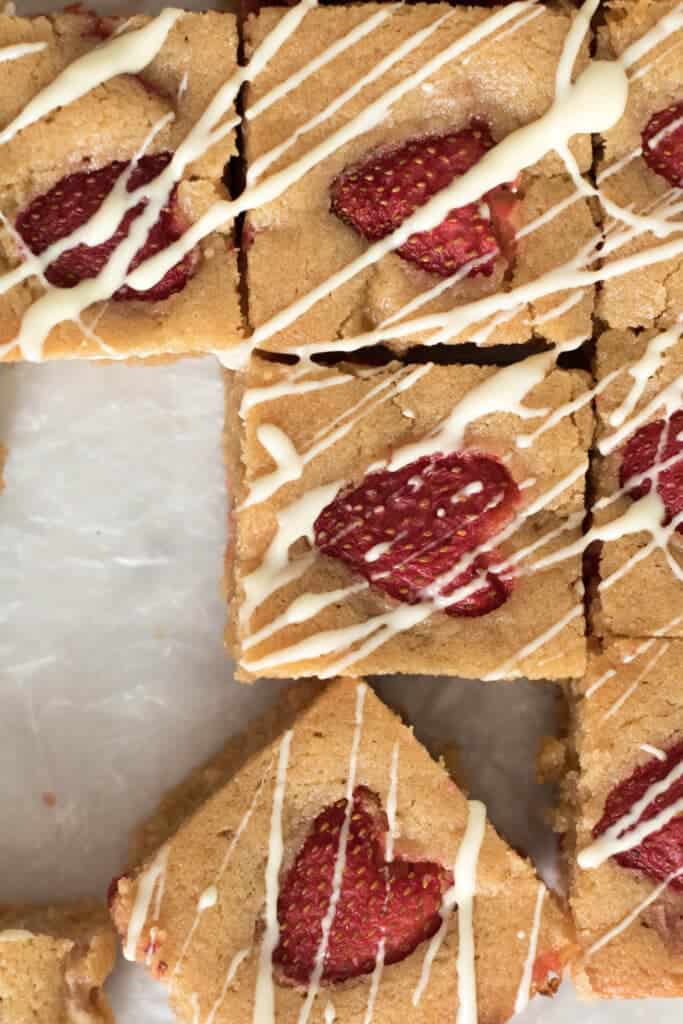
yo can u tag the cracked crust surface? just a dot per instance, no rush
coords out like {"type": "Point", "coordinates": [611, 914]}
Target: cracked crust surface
{"type": "Point", "coordinates": [508, 82]}
{"type": "Point", "coordinates": [431, 817]}
{"type": "Point", "coordinates": [639, 703]}
{"type": "Point", "coordinates": [53, 963]}
{"type": "Point", "coordinates": [111, 123]}
{"type": "Point", "coordinates": [471, 647]}
{"type": "Point", "coordinates": [620, 609]}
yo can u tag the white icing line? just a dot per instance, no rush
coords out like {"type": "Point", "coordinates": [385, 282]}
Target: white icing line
{"type": "Point", "coordinates": [618, 165]}
{"type": "Point", "coordinates": [465, 873]}
{"type": "Point", "coordinates": [267, 159]}
{"type": "Point", "coordinates": [389, 856]}
{"type": "Point", "coordinates": [303, 608]}
{"type": "Point", "coordinates": [629, 832]}
{"type": "Point", "coordinates": [209, 897]}
{"type": "Point", "coordinates": [264, 996]}
{"type": "Point", "coordinates": [644, 369]}
{"type": "Point", "coordinates": [503, 391]}
{"type": "Point", "coordinates": [635, 913]}
{"type": "Point", "coordinates": [655, 751]}
{"type": "Point", "coordinates": [275, 571]}
{"type": "Point", "coordinates": [543, 638]}
{"type": "Point", "coordinates": [429, 215]}
{"type": "Point", "coordinates": [231, 972]}
{"type": "Point", "coordinates": [290, 464]}
{"type": "Point", "coordinates": [666, 26]}
{"type": "Point", "coordinates": [120, 55]}
{"type": "Point", "coordinates": [16, 935]}
{"type": "Point", "coordinates": [148, 881]}
{"type": "Point", "coordinates": [524, 990]}
{"type": "Point", "coordinates": [339, 863]}
{"type": "Point", "coordinates": [618, 704]}
{"type": "Point", "coordinates": [19, 50]}
{"type": "Point", "coordinates": [335, 50]}
{"type": "Point", "coordinates": [290, 386]}
{"type": "Point", "coordinates": [460, 894]}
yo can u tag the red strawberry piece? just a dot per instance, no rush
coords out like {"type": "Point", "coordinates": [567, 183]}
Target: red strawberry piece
{"type": "Point", "coordinates": [663, 144]}
{"type": "Point", "coordinates": [662, 852]}
{"type": "Point", "coordinates": [376, 196]}
{"type": "Point", "coordinates": [403, 529]}
{"type": "Point", "coordinates": [75, 199]}
{"type": "Point", "coordinates": [397, 901]}
{"type": "Point", "coordinates": [647, 448]}
{"type": "Point", "coordinates": [546, 973]}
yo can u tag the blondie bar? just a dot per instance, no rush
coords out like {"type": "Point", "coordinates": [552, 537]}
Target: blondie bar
{"type": "Point", "coordinates": [640, 163]}
{"type": "Point", "coordinates": [93, 110]}
{"type": "Point", "coordinates": [316, 882]}
{"type": "Point", "coordinates": [639, 483]}
{"type": "Point", "coordinates": [622, 805]}
{"type": "Point", "coordinates": [53, 963]}
{"type": "Point", "coordinates": [330, 75]}
{"type": "Point", "coordinates": [396, 519]}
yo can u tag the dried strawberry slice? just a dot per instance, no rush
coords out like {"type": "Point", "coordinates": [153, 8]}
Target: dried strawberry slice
{"type": "Point", "coordinates": [661, 853]}
{"type": "Point", "coordinates": [378, 194]}
{"type": "Point", "coordinates": [398, 901]}
{"type": "Point", "coordinates": [75, 199]}
{"type": "Point", "coordinates": [649, 447]}
{"type": "Point", "coordinates": [663, 144]}
{"type": "Point", "coordinates": [403, 529]}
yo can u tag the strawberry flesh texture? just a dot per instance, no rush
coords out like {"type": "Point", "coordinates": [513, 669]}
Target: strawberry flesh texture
{"type": "Point", "coordinates": [376, 196]}
{"type": "Point", "coordinates": [397, 901]}
{"type": "Point", "coordinates": [662, 852]}
{"type": "Point", "coordinates": [665, 157]}
{"type": "Point", "coordinates": [431, 512]}
{"type": "Point", "coordinates": [75, 199]}
{"type": "Point", "coordinates": [644, 450]}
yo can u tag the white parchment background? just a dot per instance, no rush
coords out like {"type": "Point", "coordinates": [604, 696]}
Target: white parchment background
{"type": "Point", "coordinates": [113, 677]}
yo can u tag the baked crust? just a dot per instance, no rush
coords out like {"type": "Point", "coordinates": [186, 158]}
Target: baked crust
{"type": "Point", "coordinates": [110, 123]}
{"type": "Point", "coordinates": [53, 963]}
{"type": "Point", "coordinates": [282, 234]}
{"type": "Point", "coordinates": [653, 295]}
{"type": "Point", "coordinates": [619, 608]}
{"type": "Point", "coordinates": [441, 645]}
{"type": "Point", "coordinates": [431, 817]}
{"type": "Point", "coordinates": [641, 961]}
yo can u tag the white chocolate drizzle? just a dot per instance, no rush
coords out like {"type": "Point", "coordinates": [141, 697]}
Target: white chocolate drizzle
{"type": "Point", "coordinates": [613, 933]}
{"type": "Point", "coordinates": [388, 856]}
{"type": "Point", "coordinates": [460, 894]}
{"type": "Point", "coordinates": [264, 996]}
{"type": "Point", "coordinates": [465, 887]}
{"type": "Point", "coordinates": [339, 863]}
{"type": "Point", "coordinates": [18, 50]}
{"type": "Point", "coordinates": [647, 748]}
{"type": "Point", "coordinates": [524, 990]}
{"type": "Point", "coordinates": [629, 831]}
{"type": "Point", "coordinates": [16, 935]}
{"type": "Point", "coordinates": [150, 881]}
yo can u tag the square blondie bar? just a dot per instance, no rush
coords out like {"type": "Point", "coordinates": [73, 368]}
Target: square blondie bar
{"type": "Point", "coordinates": [625, 868]}
{"type": "Point", "coordinates": [228, 910]}
{"type": "Point", "coordinates": [70, 126]}
{"type": "Point", "coordinates": [639, 483]}
{"type": "Point", "coordinates": [634, 169]}
{"type": "Point", "coordinates": [397, 519]}
{"type": "Point", "coordinates": [53, 963]}
{"type": "Point", "coordinates": [330, 75]}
